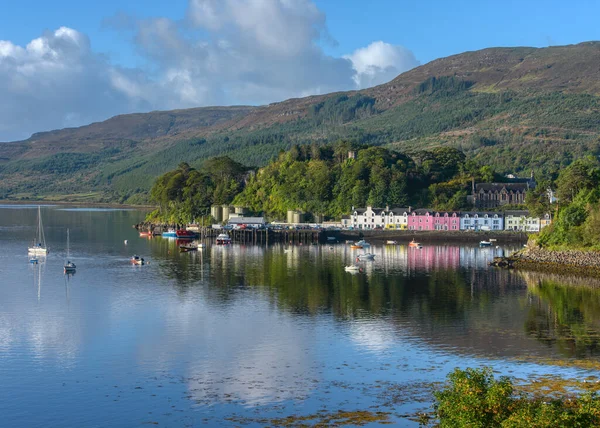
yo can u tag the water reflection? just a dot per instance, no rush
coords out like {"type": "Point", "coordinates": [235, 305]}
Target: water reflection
{"type": "Point", "coordinates": [564, 317]}
{"type": "Point", "coordinates": [244, 326]}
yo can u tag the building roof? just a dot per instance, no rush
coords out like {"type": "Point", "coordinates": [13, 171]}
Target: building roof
{"type": "Point", "coordinates": [480, 213]}
{"type": "Point", "coordinates": [359, 211]}
{"type": "Point", "coordinates": [400, 211]}
{"type": "Point", "coordinates": [423, 211]}
{"type": "Point", "coordinates": [491, 187]}
{"type": "Point", "coordinates": [247, 220]}
{"type": "Point", "coordinates": [517, 213]}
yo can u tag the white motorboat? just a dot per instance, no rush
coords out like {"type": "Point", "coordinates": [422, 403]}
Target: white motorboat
{"type": "Point", "coordinates": [223, 239]}
{"type": "Point", "coordinates": [366, 256]}
{"type": "Point", "coordinates": [38, 247]}
{"type": "Point", "coordinates": [485, 243]}
{"type": "Point", "coordinates": [391, 242]}
{"type": "Point", "coordinates": [363, 244]}
{"type": "Point", "coordinates": [352, 268]}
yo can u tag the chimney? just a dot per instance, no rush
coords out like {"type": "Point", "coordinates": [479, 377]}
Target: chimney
{"type": "Point", "coordinates": [409, 209]}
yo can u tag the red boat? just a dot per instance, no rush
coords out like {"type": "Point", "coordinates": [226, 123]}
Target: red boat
{"type": "Point", "coordinates": [143, 233]}
{"type": "Point", "coordinates": [185, 234]}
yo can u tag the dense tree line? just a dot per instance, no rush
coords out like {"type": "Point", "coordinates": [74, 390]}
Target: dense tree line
{"type": "Point", "coordinates": [577, 221]}
{"type": "Point", "coordinates": [185, 194]}
{"type": "Point", "coordinates": [326, 180]}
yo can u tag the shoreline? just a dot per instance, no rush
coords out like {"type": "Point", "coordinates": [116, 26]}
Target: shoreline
{"type": "Point", "coordinates": [78, 204]}
{"type": "Point", "coordinates": [569, 262]}
{"type": "Point", "coordinates": [501, 237]}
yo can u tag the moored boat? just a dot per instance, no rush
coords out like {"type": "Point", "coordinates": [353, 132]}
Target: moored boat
{"type": "Point", "coordinates": [485, 243]}
{"type": "Point", "coordinates": [352, 268]}
{"type": "Point", "coordinates": [223, 239]}
{"type": "Point", "coordinates": [414, 244]}
{"type": "Point", "coordinates": [69, 266]}
{"type": "Point", "coordinates": [170, 233]}
{"type": "Point", "coordinates": [184, 248]}
{"type": "Point", "coordinates": [356, 247]}
{"type": "Point", "coordinates": [38, 246]}
{"type": "Point", "coordinates": [137, 260]}
{"type": "Point", "coordinates": [391, 242]}
{"type": "Point", "coordinates": [145, 233]}
{"type": "Point", "coordinates": [185, 234]}
{"type": "Point", "coordinates": [363, 243]}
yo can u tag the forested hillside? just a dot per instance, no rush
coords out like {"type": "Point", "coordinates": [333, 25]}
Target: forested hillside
{"type": "Point", "coordinates": [322, 180]}
{"type": "Point", "coordinates": [514, 109]}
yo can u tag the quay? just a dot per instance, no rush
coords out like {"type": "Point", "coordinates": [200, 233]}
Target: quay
{"type": "Point", "coordinates": [249, 235]}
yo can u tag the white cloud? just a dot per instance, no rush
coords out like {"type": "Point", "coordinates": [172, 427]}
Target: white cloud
{"type": "Point", "coordinates": [380, 62]}
{"type": "Point", "coordinates": [224, 52]}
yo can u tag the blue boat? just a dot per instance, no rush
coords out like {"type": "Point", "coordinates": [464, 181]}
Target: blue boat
{"type": "Point", "coordinates": [171, 233]}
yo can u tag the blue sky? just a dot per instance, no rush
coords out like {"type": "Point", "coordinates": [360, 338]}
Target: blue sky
{"type": "Point", "coordinates": [91, 60]}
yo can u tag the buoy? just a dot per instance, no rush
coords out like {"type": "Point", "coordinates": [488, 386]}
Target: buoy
{"type": "Point", "coordinates": [126, 242]}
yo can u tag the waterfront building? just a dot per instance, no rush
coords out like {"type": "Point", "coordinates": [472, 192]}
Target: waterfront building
{"type": "Point", "coordinates": [481, 220]}
{"type": "Point", "coordinates": [379, 218]}
{"type": "Point", "coordinates": [521, 221]}
{"type": "Point", "coordinates": [421, 219]}
{"type": "Point", "coordinates": [256, 222]}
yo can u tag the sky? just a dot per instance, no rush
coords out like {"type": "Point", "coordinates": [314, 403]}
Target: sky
{"type": "Point", "coordinates": [68, 63]}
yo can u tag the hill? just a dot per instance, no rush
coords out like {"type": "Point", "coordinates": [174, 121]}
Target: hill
{"type": "Point", "coordinates": [516, 108]}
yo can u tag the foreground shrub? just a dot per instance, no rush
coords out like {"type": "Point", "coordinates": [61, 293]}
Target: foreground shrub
{"type": "Point", "coordinates": [473, 398]}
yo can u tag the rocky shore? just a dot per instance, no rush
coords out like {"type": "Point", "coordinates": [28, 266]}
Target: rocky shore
{"type": "Point", "coordinates": [567, 261]}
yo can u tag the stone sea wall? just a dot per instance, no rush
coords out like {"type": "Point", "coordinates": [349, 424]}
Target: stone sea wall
{"type": "Point", "coordinates": [570, 261]}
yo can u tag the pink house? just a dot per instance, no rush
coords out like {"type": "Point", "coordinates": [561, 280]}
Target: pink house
{"type": "Point", "coordinates": [423, 219]}
{"type": "Point", "coordinates": [446, 221]}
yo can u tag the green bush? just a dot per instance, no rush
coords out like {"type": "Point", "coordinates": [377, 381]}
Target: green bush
{"type": "Point", "coordinates": [473, 398]}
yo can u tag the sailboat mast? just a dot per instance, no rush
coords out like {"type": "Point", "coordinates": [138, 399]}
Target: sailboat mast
{"type": "Point", "coordinates": [67, 244]}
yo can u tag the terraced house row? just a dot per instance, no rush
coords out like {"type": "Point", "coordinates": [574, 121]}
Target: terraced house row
{"type": "Point", "coordinates": [427, 219]}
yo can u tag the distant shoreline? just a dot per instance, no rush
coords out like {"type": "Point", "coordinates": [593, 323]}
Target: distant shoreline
{"type": "Point", "coordinates": [78, 204]}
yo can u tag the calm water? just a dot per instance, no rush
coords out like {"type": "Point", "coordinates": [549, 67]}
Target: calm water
{"type": "Point", "coordinates": [231, 335]}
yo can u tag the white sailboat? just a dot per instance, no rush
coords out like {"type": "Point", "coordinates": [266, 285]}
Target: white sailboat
{"type": "Point", "coordinates": [38, 247]}
{"type": "Point", "coordinates": [69, 265]}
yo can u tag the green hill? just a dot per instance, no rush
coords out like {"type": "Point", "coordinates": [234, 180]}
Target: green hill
{"type": "Point", "coordinates": [517, 109]}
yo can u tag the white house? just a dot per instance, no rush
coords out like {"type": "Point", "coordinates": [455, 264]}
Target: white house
{"type": "Point", "coordinates": [379, 218]}
{"type": "Point", "coordinates": [472, 220]}
{"type": "Point", "coordinates": [521, 221]}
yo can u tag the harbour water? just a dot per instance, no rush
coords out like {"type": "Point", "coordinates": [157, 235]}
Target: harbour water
{"type": "Point", "coordinates": [240, 335]}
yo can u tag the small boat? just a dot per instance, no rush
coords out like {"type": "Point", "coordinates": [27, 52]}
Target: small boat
{"type": "Point", "coordinates": [391, 242]}
{"type": "Point", "coordinates": [145, 233]}
{"type": "Point", "coordinates": [366, 256]}
{"type": "Point", "coordinates": [69, 266]}
{"type": "Point", "coordinates": [184, 248]}
{"type": "Point", "coordinates": [170, 233]}
{"type": "Point", "coordinates": [38, 246]}
{"type": "Point", "coordinates": [352, 268]}
{"type": "Point", "coordinates": [223, 239]}
{"type": "Point", "coordinates": [137, 260]}
{"type": "Point", "coordinates": [485, 244]}
{"type": "Point", "coordinates": [363, 243]}
{"type": "Point", "coordinates": [414, 244]}
{"type": "Point", "coordinates": [331, 239]}
{"type": "Point", "coordinates": [185, 234]}
{"type": "Point", "coordinates": [356, 247]}
{"type": "Point", "coordinates": [33, 261]}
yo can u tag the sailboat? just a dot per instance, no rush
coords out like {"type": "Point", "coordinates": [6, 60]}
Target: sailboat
{"type": "Point", "coordinates": [69, 265]}
{"type": "Point", "coordinates": [38, 247]}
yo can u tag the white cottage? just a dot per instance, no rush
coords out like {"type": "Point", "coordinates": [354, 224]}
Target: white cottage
{"type": "Point", "coordinates": [379, 218]}
{"type": "Point", "coordinates": [521, 221]}
{"type": "Point", "coordinates": [481, 220]}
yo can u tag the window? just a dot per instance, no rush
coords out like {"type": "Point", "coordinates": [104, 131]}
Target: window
{"type": "Point", "coordinates": [420, 220]}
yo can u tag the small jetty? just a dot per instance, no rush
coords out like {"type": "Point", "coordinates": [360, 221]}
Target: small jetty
{"type": "Point", "coordinates": [248, 235]}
